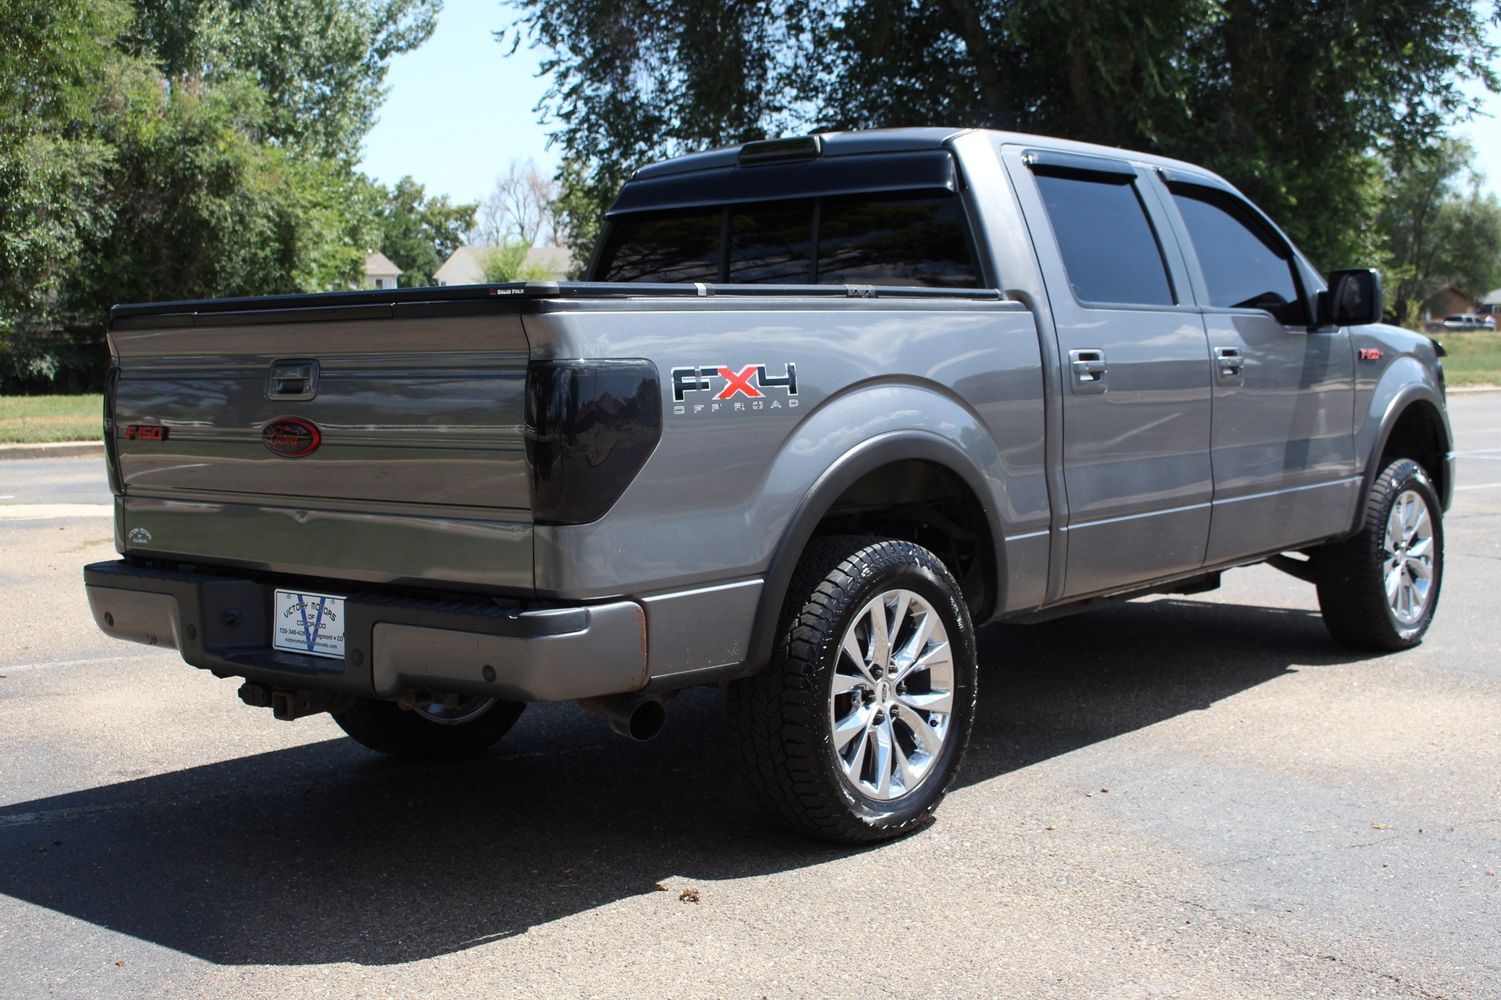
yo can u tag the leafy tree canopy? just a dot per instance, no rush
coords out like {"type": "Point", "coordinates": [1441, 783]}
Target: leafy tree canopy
{"type": "Point", "coordinates": [53, 57]}
{"type": "Point", "coordinates": [1440, 228]}
{"type": "Point", "coordinates": [1299, 103]}
{"type": "Point", "coordinates": [188, 148]}
{"type": "Point", "coordinates": [321, 64]}
{"type": "Point", "coordinates": [418, 233]}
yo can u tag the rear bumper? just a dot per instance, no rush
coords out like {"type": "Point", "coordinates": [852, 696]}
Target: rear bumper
{"type": "Point", "coordinates": [392, 644]}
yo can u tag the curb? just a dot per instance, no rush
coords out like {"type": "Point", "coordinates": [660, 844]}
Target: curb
{"type": "Point", "coordinates": [67, 449]}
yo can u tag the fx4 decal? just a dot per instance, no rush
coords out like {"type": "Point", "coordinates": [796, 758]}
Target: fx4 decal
{"type": "Point", "coordinates": [749, 388]}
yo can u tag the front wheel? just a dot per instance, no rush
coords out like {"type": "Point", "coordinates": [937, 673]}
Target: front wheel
{"type": "Point", "coordinates": [433, 730]}
{"type": "Point", "coordinates": [1379, 589]}
{"type": "Point", "coordinates": [855, 731]}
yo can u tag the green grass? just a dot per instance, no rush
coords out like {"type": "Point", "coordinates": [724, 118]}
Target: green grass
{"type": "Point", "coordinates": [48, 419]}
{"type": "Point", "coordinates": [1474, 357]}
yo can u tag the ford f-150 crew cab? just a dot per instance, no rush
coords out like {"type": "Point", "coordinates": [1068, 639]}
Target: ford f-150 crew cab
{"type": "Point", "coordinates": [827, 405]}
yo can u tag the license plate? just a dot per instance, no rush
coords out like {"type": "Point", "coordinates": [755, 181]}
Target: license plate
{"type": "Point", "coordinates": [311, 624]}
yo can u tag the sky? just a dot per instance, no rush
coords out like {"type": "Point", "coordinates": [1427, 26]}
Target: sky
{"type": "Point", "coordinates": [1484, 132]}
{"type": "Point", "coordinates": [459, 110]}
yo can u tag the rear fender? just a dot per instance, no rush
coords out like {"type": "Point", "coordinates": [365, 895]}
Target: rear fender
{"type": "Point", "coordinates": [856, 434]}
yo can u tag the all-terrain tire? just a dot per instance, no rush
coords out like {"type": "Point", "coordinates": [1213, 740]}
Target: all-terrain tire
{"type": "Point", "coordinates": [792, 723]}
{"type": "Point", "coordinates": [1379, 589]}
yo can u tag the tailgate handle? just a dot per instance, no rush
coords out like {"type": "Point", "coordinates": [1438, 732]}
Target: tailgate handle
{"type": "Point", "coordinates": [293, 380]}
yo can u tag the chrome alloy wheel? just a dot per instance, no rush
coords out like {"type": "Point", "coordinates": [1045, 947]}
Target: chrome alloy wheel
{"type": "Point", "coordinates": [1407, 567]}
{"type": "Point", "coordinates": [892, 695]}
{"type": "Point", "coordinates": [464, 710]}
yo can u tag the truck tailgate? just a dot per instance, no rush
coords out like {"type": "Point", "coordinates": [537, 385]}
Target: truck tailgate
{"type": "Point", "coordinates": [378, 441]}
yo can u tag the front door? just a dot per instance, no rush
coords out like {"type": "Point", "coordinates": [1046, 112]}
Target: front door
{"type": "Point", "coordinates": [1284, 446]}
{"type": "Point", "coordinates": [1135, 362]}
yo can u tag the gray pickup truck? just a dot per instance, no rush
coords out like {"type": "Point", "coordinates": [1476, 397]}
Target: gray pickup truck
{"type": "Point", "coordinates": [828, 405]}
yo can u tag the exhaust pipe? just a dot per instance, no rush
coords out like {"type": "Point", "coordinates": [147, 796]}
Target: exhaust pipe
{"type": "Point", "coordinates": [639, 717]}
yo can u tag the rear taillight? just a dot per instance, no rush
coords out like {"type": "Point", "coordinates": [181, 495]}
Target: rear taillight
{"type": "Point", "coordinates": [111, 456]}
{"type": "Point", "coordinates": [590, 427]}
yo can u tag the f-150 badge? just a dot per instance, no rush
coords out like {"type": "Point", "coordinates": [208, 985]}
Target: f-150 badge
{"type": "Point", "coordinates": [749, 388]}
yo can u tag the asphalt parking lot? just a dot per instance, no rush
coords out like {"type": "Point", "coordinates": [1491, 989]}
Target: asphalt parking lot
{"type": "Point", "coordinates": [1183, 796]}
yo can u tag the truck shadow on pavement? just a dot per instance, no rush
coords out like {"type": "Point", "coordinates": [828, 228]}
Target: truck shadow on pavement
{"type": "Point", "coordinates": [325, 853]}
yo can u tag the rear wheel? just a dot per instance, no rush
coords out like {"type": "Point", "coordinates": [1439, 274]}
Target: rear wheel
{"type": "Point", "coordinates": [855, 731]}
{"type": "Point", "coordinates": [433, 730]}
{"type": "Point", "coordinates": [1379, 590]}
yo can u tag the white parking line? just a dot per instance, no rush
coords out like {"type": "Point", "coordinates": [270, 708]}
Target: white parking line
{"type": "Point", "coordinates": [22, 668]}
{"type": "Point", "coordinates": [53, 815]}
{"type": "Point", "coordinates": [50, 511]}
{"type": "Point", "coordinates": [1479, 486]}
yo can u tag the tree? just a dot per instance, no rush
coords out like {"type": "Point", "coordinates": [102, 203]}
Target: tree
{"type": "Point", "coordinates": [321, 64]}
{"type": "Point", "coordinates": [519, 209]}
{"type": "Point", "coordinates": [418, 233]}
{"type": "Point", "coordinates": [506, 261]}
{"type": "Point", "coordinates": [1440, 229]}
{"type": "Point", "coordinates": [193, 207]}
{"type": "Point", "coordinates": [200, 148]}
{"type": "Point", "coordinates": [1298, 103]}
{"type": "Point", "coordinates": [640, 79]}
{"type": "Point", "coordinates": [56, 59]}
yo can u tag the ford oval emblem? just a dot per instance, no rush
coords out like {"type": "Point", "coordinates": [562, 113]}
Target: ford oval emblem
{"type": "Point", "coordinates": [291, 437]}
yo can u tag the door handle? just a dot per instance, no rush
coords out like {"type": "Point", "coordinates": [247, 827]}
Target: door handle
{"type": "Point", "coordinates": [1228, 364]}
{"type": "Point", "coordinates": [1089, 370]}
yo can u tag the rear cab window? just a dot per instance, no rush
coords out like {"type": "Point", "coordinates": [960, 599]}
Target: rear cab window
{"type": "Point", "coordinates": [893, 237]}
{"type": "Point", "coordinates": [668, 246]}
{"type": "Point", "coordinates": [1110, 251]}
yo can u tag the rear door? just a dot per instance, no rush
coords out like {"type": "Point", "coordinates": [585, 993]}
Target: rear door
{"type": "Point", "coordinates": [1132, 348]}
{"type": "Point", "coordinates": [1284, 446]}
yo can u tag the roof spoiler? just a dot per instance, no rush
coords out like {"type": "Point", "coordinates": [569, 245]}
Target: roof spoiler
{"type": "Point", "coordinates": [802, 147]}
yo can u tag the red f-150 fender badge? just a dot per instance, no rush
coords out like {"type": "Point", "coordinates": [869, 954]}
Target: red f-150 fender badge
{"type": "Point", "coordinates": [291, 437]}
{"type": "Point", "coordinates": [1370, 354]}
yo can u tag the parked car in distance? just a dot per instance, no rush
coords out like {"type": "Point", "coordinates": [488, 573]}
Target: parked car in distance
{"type": "Point", "coordinates": [1467, 321]}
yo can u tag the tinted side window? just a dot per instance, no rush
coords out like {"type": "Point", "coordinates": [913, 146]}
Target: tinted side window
{"type": "Point", "coordinates": [895, 241]}
{"type": "Point", "coordinates": [1109, 249]}
{"type": "Point", "coordinates": [1244, 264]}
{"type": "Point", "coordinates": [772, 243]}
{"type": "Point", "coordinates": [664, 246]}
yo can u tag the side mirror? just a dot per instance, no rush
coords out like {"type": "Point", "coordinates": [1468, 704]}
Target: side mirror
{"type": "Point", "coordinates": [1353, 298]}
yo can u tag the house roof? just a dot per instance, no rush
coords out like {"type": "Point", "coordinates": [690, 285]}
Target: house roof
{"type": "Point", "coordinates": [465, 266]}
{"type": "Point", "coordinates": [555, 259]}
{"type": "Point", "coordinates": [378, 265]}
{"type": "Point", "coordinates": [1492, 298]}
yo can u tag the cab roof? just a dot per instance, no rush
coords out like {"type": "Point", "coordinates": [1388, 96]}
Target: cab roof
{"type": "Point", "coordinates": [903, 140]}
